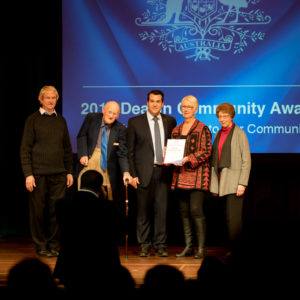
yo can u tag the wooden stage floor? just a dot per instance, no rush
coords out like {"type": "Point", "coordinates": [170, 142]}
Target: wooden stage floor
{"type": "Point", "coordinates": [13, 251]}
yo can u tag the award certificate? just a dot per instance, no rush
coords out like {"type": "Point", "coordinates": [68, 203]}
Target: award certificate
{"type": "Point", "coordinates": [174, 151]}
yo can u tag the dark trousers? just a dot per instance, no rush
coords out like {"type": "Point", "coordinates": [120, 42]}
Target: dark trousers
{"type": "Point", "coordinates": [152, 203]}
{"type": "Point", "coordinates": [43, 225]}
{"type": "Point", "coordinates": [233, 209]}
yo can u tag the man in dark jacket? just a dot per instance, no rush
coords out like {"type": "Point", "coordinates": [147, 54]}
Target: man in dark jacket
{"type": "Point", "coordinates": [102, 146]}
{"type": "Point", "coordinates": [147, 136]}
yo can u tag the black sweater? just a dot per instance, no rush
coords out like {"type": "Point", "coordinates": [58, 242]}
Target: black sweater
{"type": "Point", "coordinates": [45, 147]}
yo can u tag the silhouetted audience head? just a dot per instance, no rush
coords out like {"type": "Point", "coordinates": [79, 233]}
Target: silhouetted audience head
{"type": "Point", "coordinates": [265, 258]}
{"type": "Point", "coordinates": [212, 278]}
{"type": "Point", "coordinates": [33, 279]}
{"type": "Point", "coordinates": [92, 180]}
{"type": "Point", "coordinates": [211, 267]}
{"type": "Point", "coordinates": [163, 280]}
{"type": "Point", "coordinates": [123, 284]}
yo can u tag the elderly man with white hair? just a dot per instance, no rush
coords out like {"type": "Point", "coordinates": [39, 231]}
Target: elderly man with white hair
{"type": "Point", "coordinates": [102, 146]}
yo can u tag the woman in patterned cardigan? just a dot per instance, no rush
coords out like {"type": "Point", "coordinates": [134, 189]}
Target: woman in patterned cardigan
{"type": "Point", "coordinates": [191, 178]}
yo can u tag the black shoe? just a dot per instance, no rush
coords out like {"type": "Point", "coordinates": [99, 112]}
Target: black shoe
{"type": "Point", "coordinates": [47, 253]}
{"type": "Point", "coordinates": [144, 252]}
{"type": "Point", "coordinates": [42, 252]}
{"type": "Point", "coordinates": [161, 252]}
{"type": "Point", "coordinates": [53, 253]}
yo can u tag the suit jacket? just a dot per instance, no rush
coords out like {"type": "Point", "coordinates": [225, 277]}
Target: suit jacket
{"type": "Point", "coordinates": [141, 148]}
{"type": "Point", "coordinates": [117, 161]}
{"type": "Point", "coordinates": [239, 170]}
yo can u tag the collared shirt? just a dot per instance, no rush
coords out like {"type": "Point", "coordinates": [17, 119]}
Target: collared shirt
{"type": "Point", "coordinates": [151, 123]}
{"type": "Point", "coordinates": [99, 140]}
{"type": "Point", "coordinates": [44, 112]}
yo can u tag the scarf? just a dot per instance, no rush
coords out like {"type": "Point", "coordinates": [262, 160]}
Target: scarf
{"type": "Point", "coordinates": [225, 160]}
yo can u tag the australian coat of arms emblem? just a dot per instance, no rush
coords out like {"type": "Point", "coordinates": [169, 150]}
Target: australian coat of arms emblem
{"type": "Point", "coordinates": [202, 29]}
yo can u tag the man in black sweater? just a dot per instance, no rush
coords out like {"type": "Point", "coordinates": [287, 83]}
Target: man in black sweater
{"type": "Point", "coordinates": [47, 163]}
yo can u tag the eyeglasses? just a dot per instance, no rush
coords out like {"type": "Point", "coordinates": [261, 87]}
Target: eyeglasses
{"type": "Point", "coordinates": [223, 116]}
{"type": "Point", "coordinates": [187, 107]}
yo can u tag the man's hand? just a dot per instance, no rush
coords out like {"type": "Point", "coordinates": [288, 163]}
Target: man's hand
{"type": "Point", "coordinates": [126, 178]}
{"type": "Point", "coordinates": [69, 180]}
{"type": "Point", "coordinates": [84, 160]}
{"type": "Point", "coordinates": [30, 183]}
{"type": "Point", "coordinates": [134, 182]}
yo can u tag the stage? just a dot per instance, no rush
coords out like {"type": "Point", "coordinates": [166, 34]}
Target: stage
{"type": "Point", "coordinates": [14, 250]}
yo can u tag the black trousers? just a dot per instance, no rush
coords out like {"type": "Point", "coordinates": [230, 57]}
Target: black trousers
{"type": "Point", "coordinates": [43, 225]}
{"type": "Point", "coordinates": [233, 210]}
{"type": "Point", "coordinates": [152, 203]}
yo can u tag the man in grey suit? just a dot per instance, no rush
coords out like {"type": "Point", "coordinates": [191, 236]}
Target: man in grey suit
{"type": "Point", "coordinates": [147, 136]}
{"type": "Point", "coordinates": [102, 146]}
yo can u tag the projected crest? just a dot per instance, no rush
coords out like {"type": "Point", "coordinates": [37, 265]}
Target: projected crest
{"type": "Point", "coordinates": [202, 29]}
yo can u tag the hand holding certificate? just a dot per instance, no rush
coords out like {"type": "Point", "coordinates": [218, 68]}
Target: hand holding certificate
{"type": "Point", "coordinates": [175, 151]}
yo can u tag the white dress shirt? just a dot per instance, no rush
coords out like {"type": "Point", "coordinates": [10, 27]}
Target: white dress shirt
{"type": "Point", "coordinates": [162, 132]}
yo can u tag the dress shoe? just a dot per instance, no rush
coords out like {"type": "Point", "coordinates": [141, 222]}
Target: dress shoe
{"type": "Point", "coordinates": [161, 252]}
{"type": "Point", "coordinates": [42, 252]}
{"type": "Point", "coordinates": [144, 252]}
{"type": "Point", "coordinates": [47, 253]}
{"type": "Point", "coordinates": [53, 253]}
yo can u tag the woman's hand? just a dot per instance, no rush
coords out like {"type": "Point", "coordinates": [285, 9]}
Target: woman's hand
{"type": "Point", "coordinates": [184, 161]}
{"type": "Point", "coordinates": [240, 190]}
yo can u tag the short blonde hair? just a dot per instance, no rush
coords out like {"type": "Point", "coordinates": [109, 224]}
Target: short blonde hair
{"type": "Point", "coordinates": [226, 108]}
{"type": "Point", "coordinates": [193, 100]}
{"type": "Point", "coordinates": [48, 88]}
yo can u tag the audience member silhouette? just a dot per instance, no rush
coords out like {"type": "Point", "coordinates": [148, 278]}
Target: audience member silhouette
{"type": "Point", "coordinates": [211, 280]}
{"type": "Point", "coordinates": [32, 279]}
{"type": "Point", "coordinates": [162, 282]}
{"type": "Point", "coordinates": [90, 231]}
{"type": "Point", "coordinates": [122, 285]}
{"type": "Point", "coordinates": [265, 260]}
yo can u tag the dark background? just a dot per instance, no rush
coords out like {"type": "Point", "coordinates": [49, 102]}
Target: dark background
{"type": "Point", "coordinates": [32, 57]}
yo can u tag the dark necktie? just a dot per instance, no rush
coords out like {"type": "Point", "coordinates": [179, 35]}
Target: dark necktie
{"type": "Point", "coordinates": [104, 149]}
{"type": "Point", "coordinates": [157, 138]}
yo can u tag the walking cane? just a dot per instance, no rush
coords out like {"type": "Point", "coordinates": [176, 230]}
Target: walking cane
{"type": "Point", "coordinates": [126, 210]}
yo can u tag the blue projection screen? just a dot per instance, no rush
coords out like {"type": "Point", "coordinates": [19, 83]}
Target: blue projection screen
{"type": "Point", "coordinates": [246, 52]}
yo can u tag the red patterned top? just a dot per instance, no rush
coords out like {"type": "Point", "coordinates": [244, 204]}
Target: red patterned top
{"type": "Point", "coordinates": [196, 173]}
